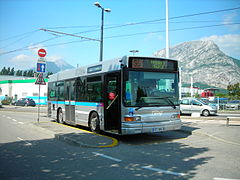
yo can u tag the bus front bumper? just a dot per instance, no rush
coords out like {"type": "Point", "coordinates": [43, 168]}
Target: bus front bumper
{"type": "Point", "coordinates": [150, 127]}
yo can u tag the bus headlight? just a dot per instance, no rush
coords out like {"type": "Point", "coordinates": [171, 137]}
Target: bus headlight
{"type": "Point", "coordinates": [132, 118]}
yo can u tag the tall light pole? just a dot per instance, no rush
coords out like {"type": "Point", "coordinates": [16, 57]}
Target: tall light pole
{"type": "Point", "coordinates": [134, 51]}
{"type": "Point", "coordinates": [101, 39]}
{"type": "Point", "coordinates": [167, 38]}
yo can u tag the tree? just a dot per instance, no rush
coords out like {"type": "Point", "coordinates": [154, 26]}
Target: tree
{"type": "Point", "coordinates": [3, 71]}
{"type": "Point", "coordinates": [30, 73]}
{"type": "Point", "coordinates": [234, 91]}
{"type": "Point", "coordinates": [19, 73]}
{"type": "Point", "coordinates": [48, 74]}
{"type": "Point", "coordinates": [8, 71]}
{"type": "Point", "coordinates": [24, 73]}
{"type": "Point", "coordinates": [12, 72]}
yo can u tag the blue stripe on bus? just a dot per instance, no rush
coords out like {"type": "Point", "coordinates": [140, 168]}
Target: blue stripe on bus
{"type": "Point", "coordinates": [78, 103]}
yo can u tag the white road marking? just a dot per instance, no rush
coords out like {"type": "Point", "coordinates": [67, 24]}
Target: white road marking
{"type": "Point", "coordinates": [163, 171]}
{"type": "Point", "coordinates": [217, 178]}
{"type": "Point", "coordinates": [20, 123]}
{"type": "Point", "coordinates": [26, 143]}
{"type": "Point", "coordinates": [108, 157]}
{"type": "Point", "coordinates": [14, 120]}
{"type": "Point", "coordinates": [20, 139]}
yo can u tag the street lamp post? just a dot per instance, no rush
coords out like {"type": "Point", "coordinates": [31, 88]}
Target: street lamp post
{"type": "Point", "coordinates": [102, 18]}
{"type": "Point", "coordinates": [134, 51]}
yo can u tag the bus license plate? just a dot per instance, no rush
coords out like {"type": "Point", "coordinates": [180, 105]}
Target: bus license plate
{"type": "Point", "coordinates": [158, 129]}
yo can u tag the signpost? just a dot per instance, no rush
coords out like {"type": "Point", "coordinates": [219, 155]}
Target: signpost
{"type": "Point", "coordinates": [41, 68]}
{"type": "Point", "coordinates": [42, 52]}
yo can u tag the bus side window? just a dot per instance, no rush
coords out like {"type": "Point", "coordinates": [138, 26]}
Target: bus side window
{"type": "Point", "coordinates": [94, 92]}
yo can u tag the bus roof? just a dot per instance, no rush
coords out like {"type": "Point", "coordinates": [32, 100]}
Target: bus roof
{"type": "Point", "coordinates": [100, 67]}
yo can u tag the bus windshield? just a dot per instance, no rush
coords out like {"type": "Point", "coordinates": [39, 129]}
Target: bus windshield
{"type": "Point", "coordinates": [144, 89]}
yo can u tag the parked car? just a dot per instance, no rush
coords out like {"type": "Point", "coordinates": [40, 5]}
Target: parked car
{"type": "Point", "coordinates": [25, 102]}
{"type": "Point", "coordinates": [0, 104]}
{"type": "Point", "coordinates": [233, 105]}
{"type": "Point", "coordinates": [192, 105]}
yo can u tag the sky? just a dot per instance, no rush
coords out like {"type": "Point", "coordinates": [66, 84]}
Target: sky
{"type": "Point", "coordinates": [131, 25]}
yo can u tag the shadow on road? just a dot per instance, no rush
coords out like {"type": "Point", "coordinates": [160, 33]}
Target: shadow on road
{"type": "Point", "coordinates": [51, 159]}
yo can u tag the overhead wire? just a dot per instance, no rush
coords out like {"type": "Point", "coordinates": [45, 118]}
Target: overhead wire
{"type": "Point", "coordinates": [129, 24]}
{"type": "Point", "coordinates": [116, 36]}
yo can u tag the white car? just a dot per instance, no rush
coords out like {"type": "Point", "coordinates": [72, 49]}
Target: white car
{"type": "Point", "coordinates": [192, 105]}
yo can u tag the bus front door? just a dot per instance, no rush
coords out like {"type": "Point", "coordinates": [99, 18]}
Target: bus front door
{"type": "Point", "coordinates": [112, 100]}
{"type": "Point", "coordinates": [69, 103]}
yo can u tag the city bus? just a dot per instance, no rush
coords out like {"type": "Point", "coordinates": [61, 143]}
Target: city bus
{"type": "Point", "coordinates": [127, 95]}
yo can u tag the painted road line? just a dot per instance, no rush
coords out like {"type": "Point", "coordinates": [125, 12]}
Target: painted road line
{"type": "Point", "coordinates": [20, 123]}
{"type": "Point", "coordinates": [14, 120]}
{"type": "Point", "coordinates": [108, 157]}
{"type": "Point", "coordinates": [163, 171]}
{"type": "Point", "coordinates": [216, 178]}
{"type": "Point", "coordinates": [26, 143]}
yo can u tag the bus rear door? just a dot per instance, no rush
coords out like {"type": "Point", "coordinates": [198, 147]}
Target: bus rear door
{"type": "Point", "coordinates": [70, 103]}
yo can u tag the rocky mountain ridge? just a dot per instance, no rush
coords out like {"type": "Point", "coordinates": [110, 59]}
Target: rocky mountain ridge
{"type": "Point", "coordinates": [205, 62]}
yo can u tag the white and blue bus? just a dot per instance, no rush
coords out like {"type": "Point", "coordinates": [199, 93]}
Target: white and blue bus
{"type": "Point", "coordinates": [128, 95]}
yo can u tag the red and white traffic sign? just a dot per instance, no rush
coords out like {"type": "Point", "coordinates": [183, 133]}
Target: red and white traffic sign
{"type": "Point", "coordinates": [42, 52]}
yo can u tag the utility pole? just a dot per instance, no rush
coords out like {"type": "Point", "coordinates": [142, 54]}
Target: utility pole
{"type": "Point", "coordinates": [167, 38]}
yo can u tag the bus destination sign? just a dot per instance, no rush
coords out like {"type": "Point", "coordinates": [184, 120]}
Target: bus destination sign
{"type": "Point", "coordinates": [148, 63]}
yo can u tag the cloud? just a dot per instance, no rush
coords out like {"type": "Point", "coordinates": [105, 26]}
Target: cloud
{"type": "Point", "coordinates": [23, 61]}
{"type": "Point", "coordinates": [229, 43]}
{"type": "Point", "coordinates": [35, 47]}
{"type": "Point", "coordinates": [20, 58]}
{"type": "Point", "coordinates": [231, 18]}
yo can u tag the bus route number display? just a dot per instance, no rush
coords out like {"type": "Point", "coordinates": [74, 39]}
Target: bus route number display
{"type": "Point", "coordinates": [153, 64]}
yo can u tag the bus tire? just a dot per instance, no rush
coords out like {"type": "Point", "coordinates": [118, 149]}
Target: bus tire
{"type": "Point", "coordinates": [94, 122]}
{"type": "Point", "coordinates": [205, 113]}
{"type": "Point", "coordinates": [60, 116]}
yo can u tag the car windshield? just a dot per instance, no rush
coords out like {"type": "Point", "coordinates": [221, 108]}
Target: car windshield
{"type": "Point", "coordinates": [150, 89]}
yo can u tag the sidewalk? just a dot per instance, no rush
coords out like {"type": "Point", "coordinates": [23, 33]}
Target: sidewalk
{"type": "Point", "coordinates": [76, 136]}
{"type": "Point", "coordinates": [215, 129]}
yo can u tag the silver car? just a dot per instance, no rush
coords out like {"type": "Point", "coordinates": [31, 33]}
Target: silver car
{"type": "Point", "coordinates": [233, 105]}
{"type": "Point", "coordinates": [192, 105]}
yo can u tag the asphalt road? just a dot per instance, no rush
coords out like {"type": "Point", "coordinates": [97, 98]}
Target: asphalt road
{"type": "Point", "coordinates": [205, 151]}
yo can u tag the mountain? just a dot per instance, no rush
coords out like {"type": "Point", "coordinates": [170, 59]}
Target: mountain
{"type": "Point", "coordinates": [205, 62]}
{"type": "Point", "coordinates": [56, 66]}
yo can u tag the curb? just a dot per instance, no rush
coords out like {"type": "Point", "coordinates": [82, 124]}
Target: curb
{"type": "Point", "coordinates": [73, 141]}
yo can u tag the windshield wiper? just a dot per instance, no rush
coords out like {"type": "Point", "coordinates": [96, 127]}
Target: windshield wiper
{"type": "Point", "coordinates": [136, 109]}
{"type": "Point", "coordinates": [166, 98]}
{"type": "Point", "coordinates": [170, 101]}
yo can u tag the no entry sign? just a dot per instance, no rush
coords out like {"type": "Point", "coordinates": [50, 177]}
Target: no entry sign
{"type": "Point", "coordinates": [42, 53]}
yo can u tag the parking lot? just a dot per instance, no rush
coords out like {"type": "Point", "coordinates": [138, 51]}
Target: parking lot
{"type": "Point", "coordinates": [205, 148]}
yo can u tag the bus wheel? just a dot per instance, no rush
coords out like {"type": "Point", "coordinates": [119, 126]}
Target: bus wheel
{"type": "Point", "coordinates": [60, 116]}
{"type": "Point", "coordinates": [94, 122]}
{"type": "Point", "coordinates": [205, 113]}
